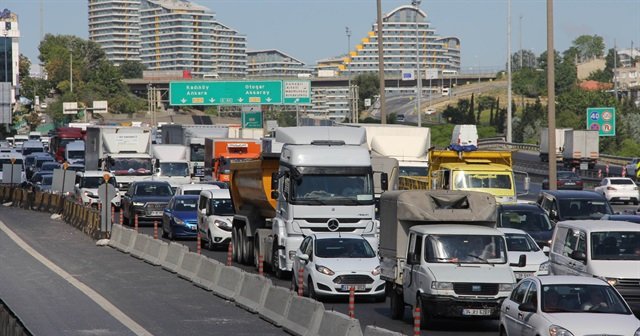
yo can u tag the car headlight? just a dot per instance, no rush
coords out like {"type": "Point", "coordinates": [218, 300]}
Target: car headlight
{"type": "Point", "coordinates": [612, 281]}
{"type": "Point", "coordinates": [555, 330]}
{"type": "Point", "coordinates": [441, 285]}
{"type": "Point", "coordinates": [505, 287]}
{"type": "Point", "coordinates": [222, 224]}
{"type": "Point", "coordinates": [544, 267]}
{"type": "Point", "coordinates": [138, 204]}
{"type": "Point", "coordinates": [88, 193]}
{"type": "Point", "coordinates": [178, 221]}
{"type": "Point", "coordinates": [376, 271]}
{"type": "Point", "coordinates": [324, 270]}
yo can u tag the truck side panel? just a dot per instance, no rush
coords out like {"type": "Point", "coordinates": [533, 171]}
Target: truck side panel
{"type": "Point", "coordinates": [254, 179]}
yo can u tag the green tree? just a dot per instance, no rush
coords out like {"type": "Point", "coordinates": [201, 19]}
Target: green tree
{"type": "Point", "coordinates": [529, 60]}
{"type": "Point", "coordinates": [368, 87]}
{"type": "Point", "coordinates": [589, 47]}
{"type": "Point", "coordinates": [131, 69]}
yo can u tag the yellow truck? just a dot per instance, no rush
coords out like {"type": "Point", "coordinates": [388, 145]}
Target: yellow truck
{"type": "Point", "coordinates": [486, 171]}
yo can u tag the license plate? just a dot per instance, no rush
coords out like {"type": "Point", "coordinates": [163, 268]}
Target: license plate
{"type": "Point", "coordinates": [357, 287]}
{"type": "Point", "coordinates": [570, 183]}
{"type": "Point", "coordinates": [522, 275]}
{"type": "Point", "coordinates": [584, 166]}
{"type": "Point", "coordinates": [156, 213]}
{"type": "Point", "coordinates": [624, 198]}
{"type": "Point", "coordinates": [476, 312]}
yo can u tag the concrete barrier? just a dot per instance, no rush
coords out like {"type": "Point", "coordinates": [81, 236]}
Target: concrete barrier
{"type": "Point", "coordinates": [172, 260]}
{"type": "Point", "coordinates": [276, 305]}
{"type": "Point", "coordinates": [338, 324]}
{"type": "Point", "coordinates": [189, 265]}
{"type": "Point", "coordinates": [377, 331]}
{"type": "Point", "coordinates": [208, 273]}
{"type": "Point", "coordinates": [229, 282]}
{"type": "Point", "coordinates": [140, 245]}
{"type": "Point", "coordinates": [116, 235]}
{"type": "Point", "coordinates": [303, 317]}
{"type": "Point", "coordinates": [253, 292]}
{"type": "Point", "coordinates": [127, 240]}
{"type": "Point", "coordinates": [155, 251]}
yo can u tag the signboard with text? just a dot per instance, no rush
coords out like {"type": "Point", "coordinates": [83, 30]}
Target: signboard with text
{"type": "Point", "coordinates": [275, 92]}
{"type": "Point", "coordinates": [602, 119]}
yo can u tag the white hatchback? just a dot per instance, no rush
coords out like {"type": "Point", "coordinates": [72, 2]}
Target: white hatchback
{"type": "Point", "coordinates": [332, 263]}
{"type": "Point", "coordinates": [619, 189]}
{"type": "Point", "coordinates": [567, 306]}
{"type": "Point", "coordinates": [519, 243]}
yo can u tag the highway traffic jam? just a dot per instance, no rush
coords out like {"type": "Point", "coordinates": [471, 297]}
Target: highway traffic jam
{"type": "Point", "coordinates": [370, 211]}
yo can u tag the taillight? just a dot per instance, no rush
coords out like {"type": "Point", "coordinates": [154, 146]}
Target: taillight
{"type": "Point", "coordinates": [579, 182]}
{"type": "Point", "coordinates": [560, 182]}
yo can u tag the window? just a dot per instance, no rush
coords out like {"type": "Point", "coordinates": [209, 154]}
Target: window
{"type": "Point", "coordinates": [532, 295]}
{"type": "Point", "coordinates": [518, 294]}
{"type": "Point", "coordinates": [305, 244]}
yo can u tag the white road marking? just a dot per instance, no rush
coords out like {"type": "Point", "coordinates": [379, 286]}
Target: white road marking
{"type": "Point", "coordinates": [93, 295]}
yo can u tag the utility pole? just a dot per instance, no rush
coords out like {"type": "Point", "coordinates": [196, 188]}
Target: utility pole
{"type": "Point", "coordinates": [551, 105]}
{"type": "Point", "coordinates": [615, 68]}
{"type": "Point", "coordinates": [521, 54]}
{"type": "Point", "coordinates": [383, 112]}
{"type": "Point", "coordinates": [416, 4]}
{"type": "Point", "coordinates": [71, 70]}
{"type": "Point", "coordinates": [509, 110]}
{"type": "Point", "coordinates": [349, 93]}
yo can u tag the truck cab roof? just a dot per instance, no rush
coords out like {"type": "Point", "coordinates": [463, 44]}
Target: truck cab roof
{"type": "Point", "coordinates": [456, 229]}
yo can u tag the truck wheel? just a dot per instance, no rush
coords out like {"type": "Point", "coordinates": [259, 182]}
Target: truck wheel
{"type": "Point", "coordinates": [275, 265]}
{"type": "Point", "coordinates": [397, 305]}
{"type": "Point", "coordinates": [247, 247]}
{"type": "Point", "coordinates": [235, 241]}
{"type": "Point", "coordinates": [238, 246]}
{"type": "Point", "coordinates": [425, 319]}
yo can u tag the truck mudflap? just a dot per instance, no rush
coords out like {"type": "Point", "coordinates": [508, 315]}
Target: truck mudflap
{"type": "Point", "coordinates": [463, 308]}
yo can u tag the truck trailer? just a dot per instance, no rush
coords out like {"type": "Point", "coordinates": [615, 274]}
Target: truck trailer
{"type": "Point", "coordinates": [581, 149]}
{"type": "Point", "coordinates": [307, 180]}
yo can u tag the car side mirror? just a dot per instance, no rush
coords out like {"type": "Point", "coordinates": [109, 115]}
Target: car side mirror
{"type": "Point", "coordinates": [203, 212]}
{"type": "Point", "coordinates": [527, 307]}
{"type": "Point", "coordinates": [553, 215]}
{"type": "Point", "coordinates": [579, 256]}
{"type": "Point", "coordinates": [304, 257]}
{"type": "Point", "coordinates": [384, 181]}
{"type": "Point", "coordinates": [77, 185]}
{"type": "Point", "coordinates": [167, 210]}
{"type": "Point", "coordinates": [522, 261]}
{"type": "Point", "coordinates": [413, 259]}
{"type": "Point", "coordinates": [546, 249]}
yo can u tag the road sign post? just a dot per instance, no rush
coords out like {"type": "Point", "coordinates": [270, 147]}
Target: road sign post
{"type": "Point", "coordinates": [602, 119]}
{"type": "Point", "coordinates": [106, 192]}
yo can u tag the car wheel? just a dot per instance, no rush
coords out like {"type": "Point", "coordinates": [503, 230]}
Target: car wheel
{"type": "Point", "coordinates": [503, 332]}
{"type": "Point", "coordinates": [247, 248]}
{"type": "Point", "coordinates": [164, 233]}
{"type": "Point", "coordinates": [425, 319]}
{"type": "Point", "coordinates": [311, 291]}
{"type": "Point", "coordinates": [380, 298]}
{"type": "Point", "coordinates": [277, 272]}
{"type": "Point", "coordinates": [171, 237]}
{"type": "Point", "coordinates": [396, 303]}
{"type": "Point", "coordinates": [294, 282]}
{"type": "Point", "coordinates": [125, 219]}
{"type": "Point", "coordinates": [635, 202]}
{"type": "Point", "coordinates": [209, 243]}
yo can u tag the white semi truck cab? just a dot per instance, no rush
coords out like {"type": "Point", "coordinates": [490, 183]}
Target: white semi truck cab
{"type": "Point", "coordinates": [171, 164]}
{"type": "Point", "coordinates": [440, 251]}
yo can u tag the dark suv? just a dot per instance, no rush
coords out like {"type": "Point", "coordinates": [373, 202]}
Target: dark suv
{"type": "Point", "coordinates": [528, 217]}
{"type": "Point", "coordinates": [147, 199]}
{"type": "Point", "coordinates": [570, 205]}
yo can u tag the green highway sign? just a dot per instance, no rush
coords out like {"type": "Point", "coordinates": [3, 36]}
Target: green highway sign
{"type": "Point", "coordinates": [252, 119]}
{"type": "Point", "coordinates": [602, 119]}
{"type": "Point", "coordinates": [274, 92]}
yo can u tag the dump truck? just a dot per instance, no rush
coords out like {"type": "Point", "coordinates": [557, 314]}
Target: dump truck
{"type": "Point", "coordinates": [544, 144]}
{"type": "Point", "coordinates": [307, 180]}
{"type": "Point", "coordinates": [486, 171]}
{"type": "Point", "coordinates": [219, 153]}
{"type": "Point", "coordinates": [440, 251]}
{"type": "Point", "coordinates": [581, 149]}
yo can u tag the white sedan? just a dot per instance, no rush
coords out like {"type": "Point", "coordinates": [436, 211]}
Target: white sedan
{"type": "Point", "coordinates": [566, 306]}
{"type": "Point", "coordinates": [332, 263]}
{"type": "Point", "coordinates": [619, 189]}
{"type": "Point", "coordinates": [518, 243]}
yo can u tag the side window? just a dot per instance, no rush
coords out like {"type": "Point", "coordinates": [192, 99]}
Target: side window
{"type": "Point", "coordinates": [418, 246]}
{"type": "Point", "coordinates": [304, 244]}
{"type": "Point", "coordinates": [412, 245]}
{"type": "Point", "coordinates": [309, 251]}
{"type": "Point", "coordinates": [532, 295]}
{"type": "Point", "coordinates": [570, 242]}
{"type": "Point", "coordinates": [517, 295]}
{"type": "Point", "coordinates": [285, 187]}
{"type": "Point", "coordinates": [202, 203]}
{"type": "Point", "coordinates": [559, 240]}
{"type": "Point", "coordinates": [581, 245]}
{"type": "Point", "coordinates": [604, 182]}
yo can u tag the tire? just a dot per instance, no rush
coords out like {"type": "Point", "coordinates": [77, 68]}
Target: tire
{"type": "Point", "coordinates": [294, 282]}
{"type": "Point", "coordinates": [396, 303]}
{"type": "Point", "coordinates": [240, 241]}
{"type": "Point", "coordinates": [171, 237]}
{"type": "Point", "coordinates": [425, 320]}
{"type": "Point", "coordinates": [125, 219]}
{"type": "Point", "coordinates": [247, 247]}
{"type": "Point", "coordinates": [503, 332]}
{"type": "Point", "coordinates": [235, 241]}
{"type": "Point", "coordinates": [256, 254]}
{"type": "Point", "coordinates": [164, 233]}
{"type": "Point", "coordinates": [311, 292]}
{"type": "Point", "coordinates": [635, 202]}
{"type": "Point", "coordinates": [380, 298]}
{"type": "Point", "coordinates": [277, 272]}
{"type": "Point", "coordinates": [209, 244]}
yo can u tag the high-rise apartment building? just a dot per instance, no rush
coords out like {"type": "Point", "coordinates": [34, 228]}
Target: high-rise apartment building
{"type": "Point", "coordinates": [274, 63]}
{"type": "Point", "coordinates": [168, 35]}
{"type": "Point", "coordinates": [115, 26]}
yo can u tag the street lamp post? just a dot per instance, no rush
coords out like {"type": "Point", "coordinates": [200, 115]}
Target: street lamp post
{"type": "Point", "coordinates": [551, 94]}
{"type": "Point", "coordinates": [416, 4]}
{"type": "Point", "coordinates": [509, 110]}
{"type": "Point", "coordinates": [71, 70]}
{"type": "Point", "coordinates": [349, 94]}
{"type": "Point", "coordinates": [383, 112]}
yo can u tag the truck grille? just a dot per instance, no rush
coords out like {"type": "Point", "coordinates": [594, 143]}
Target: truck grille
{"type": "Point", "coordinates": [630, 290]}
{"type": "Point", "coordinates": [325, 220]}
{"type": "Point", "coordinates": [468, 288]}
{"type": "Point", "coordinates": [353, 279]}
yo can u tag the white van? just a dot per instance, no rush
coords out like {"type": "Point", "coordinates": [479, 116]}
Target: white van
{"type": "Point", "coordinates": [465, 135]}
{"type": "Point", "coordinates": [32, 146]}
{"type": "Point", "coordinates": [601, 248]}
{"type": "Point", "coordinates": [74, 152]}
{"type": "Point", "coordinates": [215, 215]}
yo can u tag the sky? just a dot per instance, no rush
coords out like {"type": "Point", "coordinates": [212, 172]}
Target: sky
{"type": "Point", "coordinates": [310, 30]}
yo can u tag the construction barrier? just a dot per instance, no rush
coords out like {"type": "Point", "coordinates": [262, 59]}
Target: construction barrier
{"type": "Point", "coordinates": [155, 251]}
{"type": "Point", "coordinates": [116, 235]}
{"type": "Point", "coordinates": [189, 265]}
{"type": "Point", "coordinates": [140, 246]}
{"type": "Point", "coordinates": [208, 273]}
{"type": "Point", "coordinates": [173, 258]}
{"type": "Point", "coordinates": [229, 283]}
{"type": "Point", "coordinates": [377, 331]}
{"type": "Point", "coordinates": [276, 305]}
{"type": "Point", "coordinates": [127, 241]}
{"type": "Point", "coordinates": [303, 317]}
{"type": "Point", "coordinates": [338, 324]}
{"type": "Point", "coordinates": [253, 292]}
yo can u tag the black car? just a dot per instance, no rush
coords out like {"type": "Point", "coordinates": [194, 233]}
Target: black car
{"type": "Point", "coordinates": [570, 205]}
{"type": "Point", "coordinates": [624, 218]}
{"type": "Point", "coordinates": [528, 217]}
{"type": "Point", "coordinates": [147, 199]}
{"type": "Point", "coordinates": [566, 180]}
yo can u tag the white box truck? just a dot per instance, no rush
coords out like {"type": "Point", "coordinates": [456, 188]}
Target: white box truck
{"type": "Point", "coordinates": [440, 251]}
{"type": "Point", "coordinates": [171, 164]}
{"type": "Point", "coordinates": [544, 143]}
{"type": "Point", "coordinates": [581, 149]}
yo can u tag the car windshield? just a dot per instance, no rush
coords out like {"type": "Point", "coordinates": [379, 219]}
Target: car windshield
{"type": "Point", "coordinates": [333, 189]}
{"type": "Point", "coordinates": [583, 209]}
{"type": "Point", "coordinates": [615, 245]}
{"type": "Point", "coordinates": [174, 169]}
{"type": "Point", "coordinates": [93, 182]}
{"type": "Point", "coordinates": [578, 298]}
{"type": "Point", "coordinates": [153, 190]}
{"type": "Point", "coordinates": [343, 248]}
{"type": "Point", "coordinates": [47, 179]}
{"type": "Point", "coordinates": [50, 166]}
{"type": "Point", "coordinates": [469, 180]}
{"type": "Point", "coordinates": [622, 181]}
{"type": "Point", "coordinates": [222, 206]}
{"type": "Point", "coordinates": [131, 166]}
{"type": "Point", "coordinates": [29, 150]}
{"type": "Point", "coordinates": [567, 176]}
{"type": "Point", "coordinates": [529, 221]}
{"type": "Point", "coordinates": [182, 204]}
{"type": "Point", "coordinates": [40, 162]}
{"type": "Point", "coordinates": [518, 242]}
{"type": "Point", "coordinates": [474, 249]}
{"type": "Point", "coordinates": [412, 171]}
{"type": "Point", "coordinates": [197, 153]}
{"type": "Point", "coordinates": [29, 160]}
{"type": "Point", "coordinates": [76, 154]}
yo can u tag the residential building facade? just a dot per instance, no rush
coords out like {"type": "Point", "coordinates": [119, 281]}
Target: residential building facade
{"type": "Point", "coordinates": [115, 26]}
{"type": "Point", "coordinates": [9, 63]}
{"type": "Point", "coordinates": [274, 63]}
